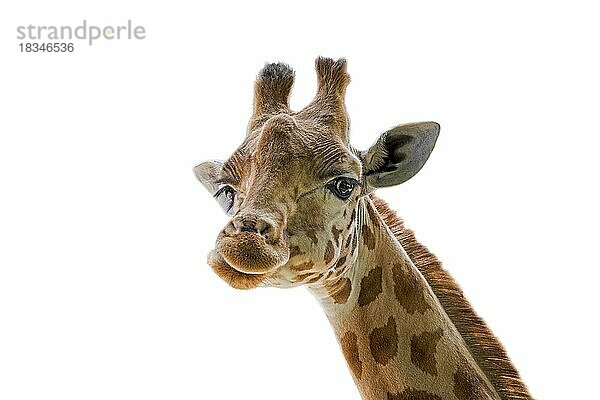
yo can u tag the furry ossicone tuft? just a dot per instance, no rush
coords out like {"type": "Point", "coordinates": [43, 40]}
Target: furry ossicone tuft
{"type": "Point", "coordinates": [332, 74]}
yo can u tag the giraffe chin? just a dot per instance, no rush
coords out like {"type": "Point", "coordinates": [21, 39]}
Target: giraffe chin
{"type": "Point", "coordinates": [235, 278]}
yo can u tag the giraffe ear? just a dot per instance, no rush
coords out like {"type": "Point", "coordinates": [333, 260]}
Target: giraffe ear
{"type": "Point", "coordinates": [399, 154]}
{"type": "Point", "coordinates": [208, 174]}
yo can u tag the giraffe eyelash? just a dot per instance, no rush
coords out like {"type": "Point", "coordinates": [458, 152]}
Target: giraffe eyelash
{"type": "Point", "coordinates": [226, 197]}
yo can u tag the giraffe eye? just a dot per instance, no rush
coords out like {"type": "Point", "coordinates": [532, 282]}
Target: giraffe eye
{"type": "Point", "coordinates": [342, 187]}
{"type": "Point", "coordinates": [226, 197]}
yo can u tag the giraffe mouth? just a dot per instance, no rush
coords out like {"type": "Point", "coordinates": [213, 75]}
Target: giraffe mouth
{"type": "Point", "coordinates": [251, 254]}
{"type": "Point", "coordinates": [234, 277]}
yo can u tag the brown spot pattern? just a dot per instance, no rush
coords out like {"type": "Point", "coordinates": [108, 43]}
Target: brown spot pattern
{"type": "Point", "coordinates": [314, 279]}
{"type": "Point", "coordinates": [304, 266]}
{"type": "Point", "coordinates": [486, 349]}
{"type": "Point", "coordinates": [348, 241]}
{"type": "Point", "coordinates": [408, 290]}
{"type": "Point", "coordinates": [370, 286]}
{"type": "Point", "coordinates": [329, 252]}
{"type": "Point", "coordinates": [368, 237]}
{"type": "Point", "coordinates": [413, 394]}
{"type": "Point", "coordinates": [340, 291]}
{"type": "Point", "coordinates": [307, 277]}
{"type": "Point", "coordinates": [422, 350]}
{"type": "Point", "coordinates": [352, 217]}
{"type": "Point", "coordinates": [373, 216]}
{"type": "Point", "coordinates": [336, 233]}
{"type": "Point", "coordinates": [301, 277]}
{"type": "Point", "coordinates": [295, 251]}
{"type": "Point", "coordinates": [350, 350]}
{"type": "Point", "coordinates": [340, 262]}
{"type": "Point", "coordinates": [383, 342]}
{"type": "Point", "coordinates": [467, 385]}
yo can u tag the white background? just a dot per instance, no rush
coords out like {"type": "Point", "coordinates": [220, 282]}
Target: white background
{"type": "Point", "coordinates": [104, 288]}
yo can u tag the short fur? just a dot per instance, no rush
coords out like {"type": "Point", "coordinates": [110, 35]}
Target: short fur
{"type": "Point", "coordinates": [291, 226]}
{"type": "Point", "coordinates": [484, 346]}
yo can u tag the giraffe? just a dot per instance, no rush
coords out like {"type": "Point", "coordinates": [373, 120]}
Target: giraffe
{"type": "Point", "coordinates": [303, 212]}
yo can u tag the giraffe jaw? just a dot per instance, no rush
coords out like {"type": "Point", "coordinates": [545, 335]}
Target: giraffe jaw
{"type": "Point", "coordinates": [235, 278]}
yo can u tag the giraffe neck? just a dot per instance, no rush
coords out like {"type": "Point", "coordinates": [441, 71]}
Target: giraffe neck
{"type": "Point", "coordinates": [397, 339]}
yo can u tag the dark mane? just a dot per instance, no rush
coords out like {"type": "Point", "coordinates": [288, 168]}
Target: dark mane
{"type": "Point", "coordinates": [486, 349]}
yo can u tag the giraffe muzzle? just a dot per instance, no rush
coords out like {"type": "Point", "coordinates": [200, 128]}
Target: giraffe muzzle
{"type": "Point", "coordinates": [253, 245]}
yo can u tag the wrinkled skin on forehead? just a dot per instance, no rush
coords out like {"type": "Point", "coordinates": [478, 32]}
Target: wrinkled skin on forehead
{"type": "Point", "coordinates": [293, 186]}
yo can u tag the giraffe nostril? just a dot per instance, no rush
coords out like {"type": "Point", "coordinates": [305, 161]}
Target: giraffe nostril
{"type": "Point", "coordinates": [251, 224]}
{"type": "Point", "coordinates": [262, 227]}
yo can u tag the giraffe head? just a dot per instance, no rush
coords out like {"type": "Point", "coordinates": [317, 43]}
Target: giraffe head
{"type": "Point", "coordinates": [292, 187]}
